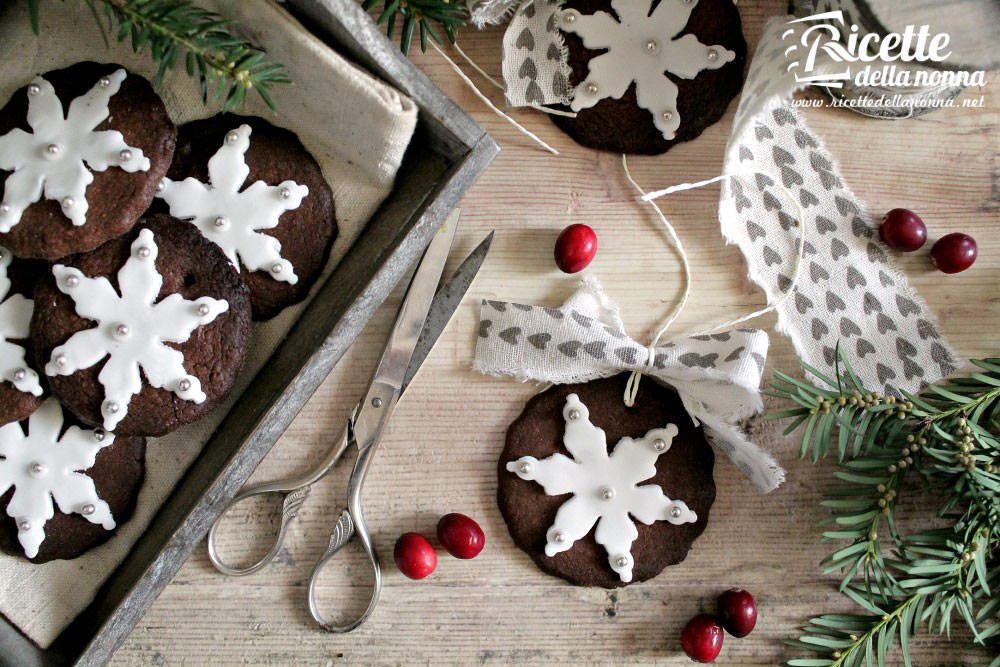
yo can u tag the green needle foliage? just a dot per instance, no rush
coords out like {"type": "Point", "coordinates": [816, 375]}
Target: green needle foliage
{"type": "Point", "coordinates": [227, 66]}
{"type": "Point", "coordinates": [904, 582]}
{"type": "Point", "coordinates": [419, 15]}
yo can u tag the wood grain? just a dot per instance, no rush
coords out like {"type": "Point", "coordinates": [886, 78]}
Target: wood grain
{"type": "Point", "coordinates": [439, 454]}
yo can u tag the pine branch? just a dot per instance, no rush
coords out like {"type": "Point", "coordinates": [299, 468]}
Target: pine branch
{"type": "Point", "coordinates": [226, 66]}
{"type": "Point", "coordinates": [948, 436]}
{"type": "Point", "coordinates": [420, 15]}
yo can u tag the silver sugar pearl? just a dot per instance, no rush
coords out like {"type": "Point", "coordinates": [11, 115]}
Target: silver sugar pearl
{"type": "Point", "coordinates": [24, 526]}
{"type": "Point", "coordinates": [111, 407]}
{"type": "Point", "coordinates": [676, 512]}
{"type": "Point", "coordinates": [591, 88]}
{"type": "Point", "coordinates": [607, 493]}
{"type": "Point", "coordinates": [53, 149]}
{"type": "Point", "coordinates": [122, 330]}
{"type": "Point", "coordinates": [61, 360]}
{"type": "Point", "coordinates": [573, 415]}
{"type": "Point", "coordinates": [232, 137]}
{"type": "Point", "coordinates": [72, 281]}
{"type": "Point", "coordinates": [651, 46]}
{"type": "Point", "coordinates": [660, 445]}
{"type": "Point", "coordinates": [87, 509]}
{"type": "Point", "coordinates": [125, 155]}
{"type": "Point", "coordinates": [143, 252]}
{"type": "Point", "coordinates": [20, 374]}
{"type": "Point", "coordinates": [713, 55]}
{"type": "Point", "coordinates": [203, 309]}
{"type": "Point", "coordinates": [668, 116]}
{"type": "Point", "coordinates": [105, 82]}
{"type": "Point", "coordinates": [5, 208]}
{"type": "Point", "coordinates": [621, 561]}
{"type": "Point", "coordinates": [162, 185]}
{"type": "Point", "coordinates": [285, 193]}
{"type": "Point", "coordinates": [68, 202]}
{"type": "Point", "coordinates": [276, 268]}
{"type": "Point", "coordinates": [37, 468]}
{"type": "Point", "coordinates": [569, 18]}
{"type": "Point", "coordinates": [220, 222]}
{"type": "Point", "coordinates": [558, 537]}
{"type": "Point", "coordinates": [525, 467]}
{"type": "Point", "coordinates": [100, 434]}
{"type": "Point", "coordinates": [34, 89]}
{"type": "Point", "coordinates": [184, 384]}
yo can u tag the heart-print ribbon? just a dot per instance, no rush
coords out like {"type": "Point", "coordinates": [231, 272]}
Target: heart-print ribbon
{"type": "Point", "coordinates": [716, 375]}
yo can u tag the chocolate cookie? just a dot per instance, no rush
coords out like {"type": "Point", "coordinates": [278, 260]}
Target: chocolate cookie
{"type": "Point", "coordinates": [182, 317]}
{"type": "Point", "coordinates": [21, 386]}
{"type": "Point", "coordinates": [126, 156]}
{"type": "Point", "coordinates": [93, 478]}
{"type": "Point", "coordinates": [683, 472]}
{"type": "Point", "coordinates": [702, 59]}
{"type": "Point", "coordinates": [255, 190]}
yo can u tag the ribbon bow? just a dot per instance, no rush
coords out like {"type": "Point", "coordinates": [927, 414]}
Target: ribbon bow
{"type": "Point", "coordinates": [717, 376]}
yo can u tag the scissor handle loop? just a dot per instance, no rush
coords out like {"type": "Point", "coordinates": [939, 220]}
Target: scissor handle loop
{"type": "Point", "coordinates": [292, 499]}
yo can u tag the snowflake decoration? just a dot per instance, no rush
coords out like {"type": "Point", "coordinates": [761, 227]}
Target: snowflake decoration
{"type": "Point", "coordinates": [131, 331]}
{"type": "Point", "coordinates": [51, 158]}
{"type": "Point", "coordinates": [41, 465]}
{"type": "Point", "coordinates": [15, 316]}
{"type": "Point", "coordinates": [604, 487]}
{"type": "Point", "coordinates": [230, 218]}
{"type": "Point", "coordinates": [641, 47]}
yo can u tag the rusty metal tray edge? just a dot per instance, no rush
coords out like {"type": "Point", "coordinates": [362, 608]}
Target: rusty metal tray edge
{"type": "Point", "coordinates": [448, 152]}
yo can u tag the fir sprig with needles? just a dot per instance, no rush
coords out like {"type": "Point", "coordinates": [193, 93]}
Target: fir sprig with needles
{"type": "Point", "coordinates": [420, 16]}
{"type": "Point", "coordinates": [227, 66]}
{"type": "Point", "coordinates": [905, 582]}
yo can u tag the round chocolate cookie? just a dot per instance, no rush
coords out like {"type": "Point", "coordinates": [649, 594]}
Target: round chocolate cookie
{"type": "Point", "coordinates": [17, 283]}
{"type": "Point", "coordinates": [115, 198]}
{"type": "Point", "coordinates": [277, 158]}
{"type": "Point", "coordinates": [118, 473]}
{"type": "Point", "coordinates": [213, 334]}
{"type": "Point", "coordinates": [621, 124]}
{"type": "Point", "coordinates": [683, 473]}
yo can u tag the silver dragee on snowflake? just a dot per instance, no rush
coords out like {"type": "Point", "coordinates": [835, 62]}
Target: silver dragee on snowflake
{"type": "Point", "coordinates": [604, 487]}
{"type": "Point", "coordinates": [40, 465]}
{"type": "Point", "coordinates": [51, 158]}
{"type": "Point", "coordinates": [230, 218]}
{"type": "Point", "coordinates": [15, 317]}
{"type": "Point", "coordinates": [131, 331]}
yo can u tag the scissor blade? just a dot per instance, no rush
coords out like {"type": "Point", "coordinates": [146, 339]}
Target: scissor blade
{"type": "Point", "coordinates": [392, 367]}
{"type": "Point", "coordinates": [446, 302]}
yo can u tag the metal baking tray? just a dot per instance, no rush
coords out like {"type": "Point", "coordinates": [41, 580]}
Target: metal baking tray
{"type": "Point", "coordinates": [446, 155]}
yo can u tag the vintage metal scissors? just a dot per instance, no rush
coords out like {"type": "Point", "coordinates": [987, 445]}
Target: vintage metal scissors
{"type": "Point", "coordinates": [422, 317]}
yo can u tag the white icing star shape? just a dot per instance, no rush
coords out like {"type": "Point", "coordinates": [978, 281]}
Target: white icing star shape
{"type": "Point", "coordinates": [15, 316]}
{"type": "Point", "coordinates": [41, 465]}
{"type": "Point", "coordinates": [230, 218]}
{"type": "Point", "coordinates": [641, 48]}
{"type": "Point", "coordinates": [51, 158]}
{"type": "Point", "coordinates": [131, 331]}
{"type": "Point", "coordinates": [604, 487]}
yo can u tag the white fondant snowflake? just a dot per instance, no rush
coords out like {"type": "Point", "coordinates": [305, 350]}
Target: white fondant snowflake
{"type": "Point", "coordinates": [41, 466]}
{"type": "Point", "coordinates": [51, 158]}
{"type": "Point", "coordinates": [641, 47]}
{"type": "Point", "coordinates": [604, 487]}
{"type": "Point", "coordinates": [131, 331]}
{"type": "Point", "coordinates": [15, 316]}
{"type": "Point", "coordinates": [230, 218]}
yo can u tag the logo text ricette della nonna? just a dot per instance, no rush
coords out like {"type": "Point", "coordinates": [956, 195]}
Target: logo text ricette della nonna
{"type": "Point", "coordinates": [822, 39]}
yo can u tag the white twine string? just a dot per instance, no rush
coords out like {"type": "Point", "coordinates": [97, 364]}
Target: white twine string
{"type": "Point", "coordinates": [478, 93]}
{"type": "Point", "coordinates": [632, 386]}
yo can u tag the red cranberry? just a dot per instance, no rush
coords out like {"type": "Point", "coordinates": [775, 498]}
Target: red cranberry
{"type": "Point", "coordinates": [701, 638]}
{"type": "Point", "coordinates": [460, 536]}
{"type": "Point", "coordinates": [575, 248]}
{"type": "Point", "coordinates": [737, 612]}
{"type": "Point", "coordinates": [903, 230]}
{"type": "Point", "coordinates": [954, 253]}
{"type": "Point", "coordinates": [414, 555]}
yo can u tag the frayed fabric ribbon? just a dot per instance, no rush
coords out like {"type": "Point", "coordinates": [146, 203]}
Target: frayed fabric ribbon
{"type": "Point", "coordinates": [717, 375]}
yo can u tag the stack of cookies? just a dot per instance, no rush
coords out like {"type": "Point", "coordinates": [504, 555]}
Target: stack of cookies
{"type": "Point", "coordinates": [134, 258]}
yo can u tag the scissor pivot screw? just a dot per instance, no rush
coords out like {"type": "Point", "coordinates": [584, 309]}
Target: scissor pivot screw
{"type": "Point", "coordinates": [376, 402]}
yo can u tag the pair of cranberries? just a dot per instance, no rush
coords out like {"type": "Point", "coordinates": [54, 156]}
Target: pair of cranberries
{"type": "Point", "coordinates": [458, 534]}
{"type": "Point", "coordinates": [902, 229]}
{"type": "Point", "coordinates": [702, 637]}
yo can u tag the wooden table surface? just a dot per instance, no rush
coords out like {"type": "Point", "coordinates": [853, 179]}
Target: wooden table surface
{"type": "Point", "coordinates": [441, 449]}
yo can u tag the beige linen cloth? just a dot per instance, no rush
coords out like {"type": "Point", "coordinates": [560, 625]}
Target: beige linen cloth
{"type": "Point", "coordinates": [356, 127]}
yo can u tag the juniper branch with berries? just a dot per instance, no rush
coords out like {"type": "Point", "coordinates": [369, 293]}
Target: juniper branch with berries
{"type": "Point", "coordinates": [226, 65]}
{"type": "Point", "coordinates": [919, 581]}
